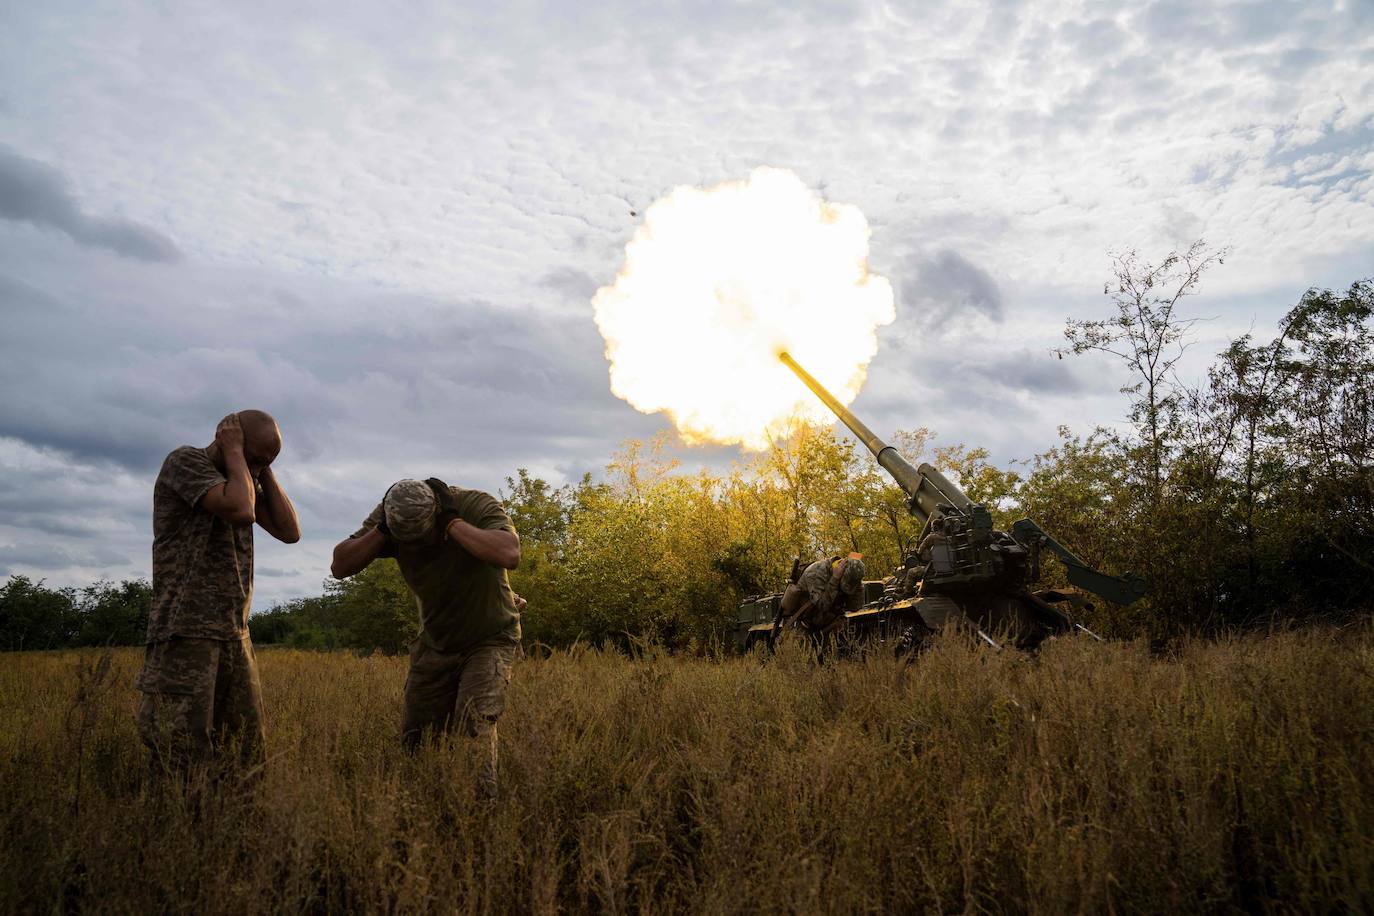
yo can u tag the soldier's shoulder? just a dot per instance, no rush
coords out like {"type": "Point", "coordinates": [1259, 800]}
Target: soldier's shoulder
{"type": "Point", "coordinates": [184, 455]}
{"type": "Point", "coordinates": [188, 451]}
{"type": "Point", "coordinates": [814, 574]}
{"type": "Point", "coordinates": [473, 497]}
{"type": "Point", "coordinates": [480, 507]}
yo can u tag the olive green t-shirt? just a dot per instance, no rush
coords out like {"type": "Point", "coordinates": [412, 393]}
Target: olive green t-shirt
{"type": "Point", "coordinates": [462, 600]}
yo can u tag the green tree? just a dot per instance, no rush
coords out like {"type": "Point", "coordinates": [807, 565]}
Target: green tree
{"type": "Point", "coordinates": [1149, 335]}
{"type": "Point", "coordinates": [114, 615]}
{"type": "Point", "coordinates": [1330, 405]}
{"type": "Point", "coordinates": [542, 515]}
{"type": "Point", "coordinates": [35, 617]}
{"type": "Point", "coordinates": [274, 626]}
{"type": "Point", "coordinates": [373, 610]}
{"type": "Point", "coordinates": [539, 511]}
{"type": "Point", "coordinates": [981, 480]}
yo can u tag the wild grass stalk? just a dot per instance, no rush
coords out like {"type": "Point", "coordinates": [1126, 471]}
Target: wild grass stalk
{"type": "Point", "coordinates": [1232, 775]}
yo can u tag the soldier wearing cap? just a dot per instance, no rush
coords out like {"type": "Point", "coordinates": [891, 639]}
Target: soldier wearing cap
{"type": "Point", "coordinates": [199, 683]}
{"type": "Point", "coordinates": [824, 591]}
{"type": "Point", "coordinates": [454, 547]}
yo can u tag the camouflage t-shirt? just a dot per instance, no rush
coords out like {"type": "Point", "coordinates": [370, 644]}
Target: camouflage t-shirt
{"type": "Point", "coordinates": [819, 582]}
{"type": "Point", "coordinates": [202, 565]}
{"type": "Point", "coordinates": [462, 600]}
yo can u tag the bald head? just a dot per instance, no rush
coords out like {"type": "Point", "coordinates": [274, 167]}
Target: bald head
{"type": "Point", "coordinates": [261, 438]}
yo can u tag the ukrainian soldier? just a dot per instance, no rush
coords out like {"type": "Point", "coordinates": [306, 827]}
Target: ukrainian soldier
{"type": "Point", "coordinates": [454, 547]}
{"type": "Point", "coordinates": [824, 591]}
{"type": "Point", "coordinates": [936, 608]}
{"type": "Point", "coordinates": [199, 681]}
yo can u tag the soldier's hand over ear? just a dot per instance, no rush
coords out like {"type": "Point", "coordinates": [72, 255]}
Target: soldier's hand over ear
{"type": "Point", "coordinates": [443, 495]}
{"type": "Point", "coordinates": [229, 434]}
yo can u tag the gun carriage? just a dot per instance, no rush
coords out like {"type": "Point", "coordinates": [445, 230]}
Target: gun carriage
{"type": "Point", "coordinates": [963, 572]}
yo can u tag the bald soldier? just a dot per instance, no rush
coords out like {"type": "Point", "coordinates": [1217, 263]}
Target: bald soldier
{"type": "Point", "coordinates": [200, 680]}
{"type": "Point", "coordinates": [454, 547]}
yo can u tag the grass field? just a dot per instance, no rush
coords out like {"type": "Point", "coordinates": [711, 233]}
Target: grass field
{"type": "Point", "coordinates": [1227, 776]}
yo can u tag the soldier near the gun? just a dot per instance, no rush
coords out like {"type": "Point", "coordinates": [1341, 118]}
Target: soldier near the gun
{"type": "Point", "coordinates": [454, 547]}
{"type": "Point", "coordinates": [937, 560]}
{"type": "Point", "coordinates": [199, 681]}
{"type": "Point", "coordinates": [824, 591]}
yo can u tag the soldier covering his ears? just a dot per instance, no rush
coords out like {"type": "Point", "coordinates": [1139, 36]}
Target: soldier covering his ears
{"type": "Point", "coordinates": [199, 683]}
{"type": "Point", "coordinates": [817, 601]}
{"type": "Point", "coordinates": [454, 547]}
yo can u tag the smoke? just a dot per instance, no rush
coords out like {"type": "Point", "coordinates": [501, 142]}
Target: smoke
{"type": "Point", "coordinates": [716, 282]}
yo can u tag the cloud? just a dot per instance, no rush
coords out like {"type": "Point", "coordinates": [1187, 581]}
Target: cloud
{"type": "Point", "coordinates": [396, 256]}
{"type": "Point", "coordinates": [70, 518]}
{"type": "Point", "coordinates": [35, 193]}
{"type": "Point", "coordinates": [464, 156]}
{"type": "Point", "coordinates": [16, 558]}
{"type": "Point", "coordinates": [1001, 373]}
{"type": "Point", "coordinates": [272, 572]}
{"type": "Point", "coordinates": [119, 362]}
{"type": "Point", "coordinates": [575, 285]}
{"type": "Point", "coordinates": [943, 286]}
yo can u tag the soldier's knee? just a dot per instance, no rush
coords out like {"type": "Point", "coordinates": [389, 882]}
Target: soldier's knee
{"type": "Point", "coordinates": [478, 724]}
{"type": "Point", "coordinates": [146, 720]}
{"type": "Point", "coordinates": [171, 723]}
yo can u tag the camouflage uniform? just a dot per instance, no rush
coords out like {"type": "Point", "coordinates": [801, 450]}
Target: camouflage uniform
{"type": "Point", "coordinates": [460, 665]}
{"type": "Point", "coordinates": [463, 690]}
{"type": "Point", "coordinates": [199, 694]}
{"type": "Point", "coordinates": [828, 602]}
{"type": "Point", "coordinates": [199, 679]}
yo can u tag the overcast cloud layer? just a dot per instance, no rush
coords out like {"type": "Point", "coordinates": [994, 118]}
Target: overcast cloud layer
{"type": "Point", "coordinates": [386, 227]}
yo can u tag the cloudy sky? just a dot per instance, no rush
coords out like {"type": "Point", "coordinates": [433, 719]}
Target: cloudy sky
{"type": "Point", "coordinates": [385, 224]}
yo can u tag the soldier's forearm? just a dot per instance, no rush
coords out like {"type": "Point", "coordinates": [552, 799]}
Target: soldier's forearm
{"type": "Point", "coordinates": [236, 500]}
{"type": "Point", "coordinates": [238, 489]}
{"type": "Point", "coordinates": [280, 513]}
{"type": "Point", "coordinates": [352, 555]}
{"type": "Point", "coordinates": [495, 546]}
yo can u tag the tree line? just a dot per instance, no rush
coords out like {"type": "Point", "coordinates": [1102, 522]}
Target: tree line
{"type": "Point", "coordinates": [33, 616]}
{"type": "Point", "coordinates": [1246, 498]}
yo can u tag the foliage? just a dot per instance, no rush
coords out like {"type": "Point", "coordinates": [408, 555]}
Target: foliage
{"type": "Point", "coordinates": [33, 616]}
{"type": "Point", "coordinates": [1248, 498]}
{"type": "Point", "coordinates": [372, 611]}
{"type": "Point", "coordinates": [1148, 334]}
{"type": "Point", "coordinates": [113, 615]}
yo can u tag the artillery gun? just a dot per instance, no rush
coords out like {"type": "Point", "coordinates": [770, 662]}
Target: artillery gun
{"type": "Point", "coordinates": [963, 571]}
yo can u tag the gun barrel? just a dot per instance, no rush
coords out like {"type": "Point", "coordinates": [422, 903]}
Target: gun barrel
{"type": "Point", "coordinates": [929, 491]}
{"type": "Point", "coordinates": [907, 477]}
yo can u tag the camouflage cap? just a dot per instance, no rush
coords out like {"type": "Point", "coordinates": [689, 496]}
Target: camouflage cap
{"type": "Point", "coordinates": [852, 579]}
{"type": "Point", "coordinates": [410, 509]}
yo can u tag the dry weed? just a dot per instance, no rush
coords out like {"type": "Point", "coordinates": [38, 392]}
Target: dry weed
{"type": "Point", "coordinates": [1229, 776]}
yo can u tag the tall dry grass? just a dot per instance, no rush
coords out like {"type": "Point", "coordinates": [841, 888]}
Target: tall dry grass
{"type": "Point", "coordinates": [1229, 776]}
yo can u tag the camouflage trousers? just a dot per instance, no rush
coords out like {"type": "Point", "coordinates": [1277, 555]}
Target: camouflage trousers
{"type": "Point", "coordinates": [795, 609]}
{"type": "Point", "coordinates": [463, 691]}
{"type": "Point", "coordinates": [201, 700]}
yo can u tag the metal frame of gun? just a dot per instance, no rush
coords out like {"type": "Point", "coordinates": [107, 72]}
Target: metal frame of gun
{"type": "Point", "coordinates": [1118, 589]}
{"type": "Point", "coordinates": [929, 491]}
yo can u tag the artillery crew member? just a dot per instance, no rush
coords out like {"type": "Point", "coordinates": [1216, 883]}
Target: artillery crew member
{"type": "Point", "coordinates": [200, 679]}
{"type": "Point", "coordinates": [824, 591]}
{"type": "Point", "coordinates": [454, 547]}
